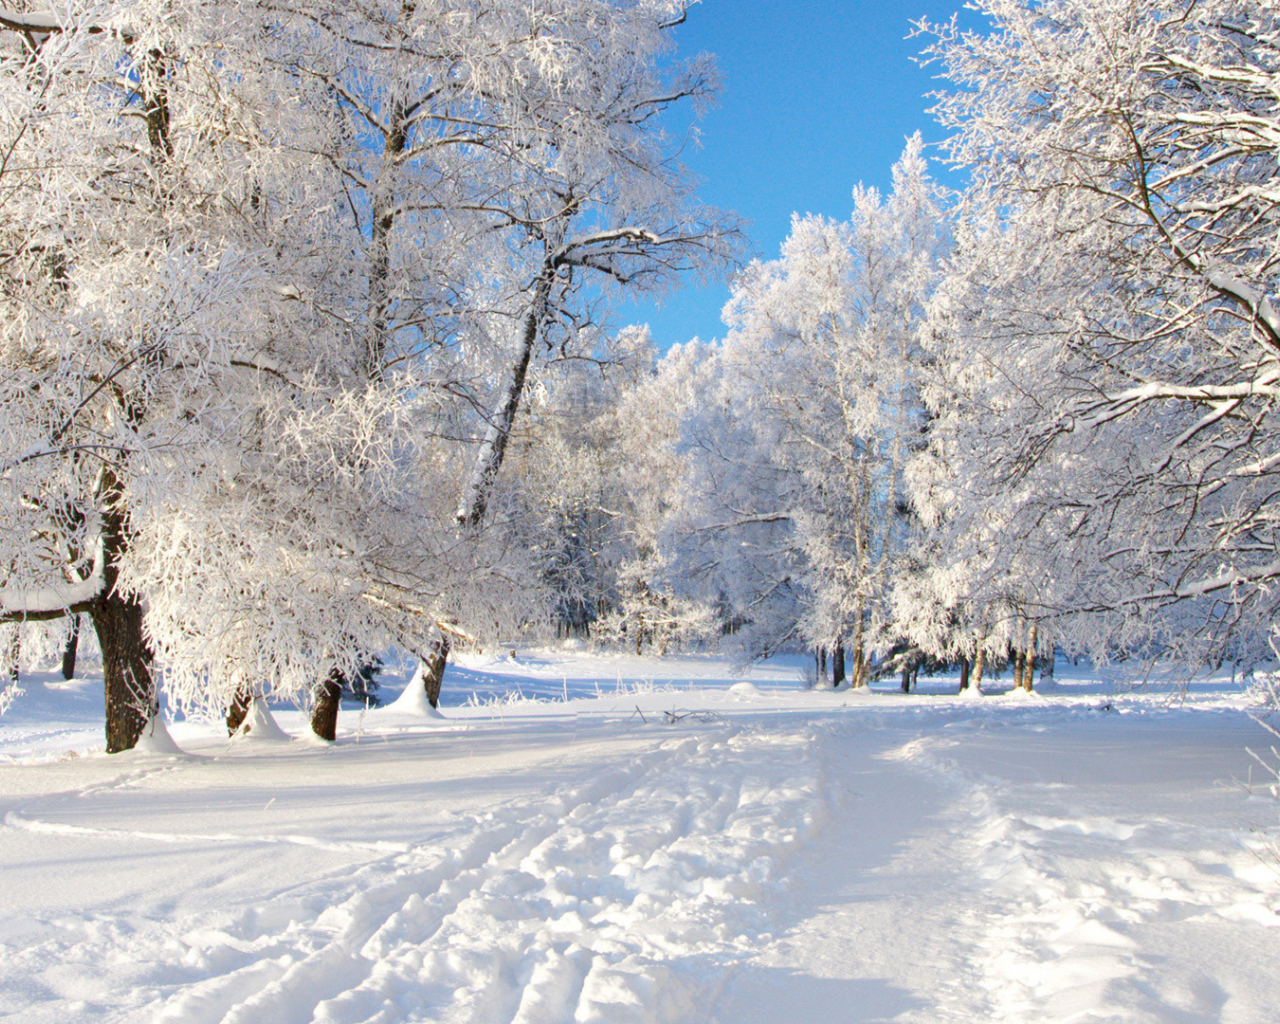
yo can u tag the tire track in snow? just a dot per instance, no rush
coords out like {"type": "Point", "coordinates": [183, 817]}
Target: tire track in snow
{"type": "Point", "coordinates": [620, 898]}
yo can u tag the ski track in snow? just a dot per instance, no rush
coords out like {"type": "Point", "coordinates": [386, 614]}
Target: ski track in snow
{"type": "Point", "coordinates": [614, 900]}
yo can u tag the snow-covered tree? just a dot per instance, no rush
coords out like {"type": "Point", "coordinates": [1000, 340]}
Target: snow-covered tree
{"type": "Point", "coordinates": [1107, 341]}
{"type": "Point", "coordinates": [804, 445]}
{"type": "Point", "coordinates": [134, 311]}
{"type": "Point", "coordinates": [263, 262]}
{"type": "Point", "coordinates": [599, 198]}
{"type": "Point", "coordinates": [564, 492]}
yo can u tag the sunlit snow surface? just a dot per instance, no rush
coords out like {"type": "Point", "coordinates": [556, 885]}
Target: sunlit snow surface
{"type": "Point", "coordinates": [583, 838]}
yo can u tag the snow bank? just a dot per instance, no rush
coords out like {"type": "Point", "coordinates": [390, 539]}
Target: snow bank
{"type": "Point", "coordinates": [155, 739]}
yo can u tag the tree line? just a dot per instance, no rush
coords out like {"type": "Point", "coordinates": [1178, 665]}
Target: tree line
{"type": "Point", "coordinates": [974, 427]}
{"type": "Point", "coordinates": [307, 349]}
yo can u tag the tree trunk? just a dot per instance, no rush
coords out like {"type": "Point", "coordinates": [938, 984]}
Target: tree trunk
{"type": "Point", "coordinates": [131, 698]}
{"type": "Point", "coordinates": [239, 709]}
{"type": "Point", "coordinates": [1050, 659]}
{"type": "Point", "coordinates": [906, 677]}
{"type": "Point", "coordinates": [433, 670]}
{"type": "Point", "coordinates": [1029, 669]}
{"type": "Point", "coordinates": [1019, 665]}
{"type": "Point", "coordinates": [837, 664]}
{"type": "Point", "coordinates": [859, 655]}
{"type": "Point", "coordinates": [70, 649]}
{"type": "Point", "coordinates": [493, 449]}
{"type": "Point", "coordinates": [15, 654]}
{"type": "Point", "coordinates": [964, 674]}
{"type": "Point", "coordinates": [979, 663]}
{"type": "Point", "coordinates": [324, 716]}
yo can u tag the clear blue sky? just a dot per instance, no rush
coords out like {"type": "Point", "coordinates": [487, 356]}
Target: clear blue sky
{"type": "Point", "coordinates": [818, 95]}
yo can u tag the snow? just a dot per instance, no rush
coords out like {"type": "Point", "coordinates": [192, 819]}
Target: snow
{"type": "Point", "coordinates": [259, 724]}
{"type": "Point", "coordinates": [592, 838]}
{"type": "Point", "coordinates": [30, 21]}
{"type": "Point", "coordinates": [156, 740]}
{"type": "Point", "coordinates": [413, 699]}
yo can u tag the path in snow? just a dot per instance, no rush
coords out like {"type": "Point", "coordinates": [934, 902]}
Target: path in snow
{"type": "Point", "coordinates": [1045, 866]}
{"type": "Point", "coordinates": [612, 898]}
{"type": "Point", "coordinates": [776, 856]}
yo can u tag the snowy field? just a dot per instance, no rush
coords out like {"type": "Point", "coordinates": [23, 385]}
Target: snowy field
{"type": "Point", "coordinates": [584, 838]}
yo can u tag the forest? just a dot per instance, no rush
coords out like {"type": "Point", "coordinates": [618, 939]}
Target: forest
{"type": "Point", "coordinates": [393, 629]}
{"type": "Point", "coordinates": [312, 351]}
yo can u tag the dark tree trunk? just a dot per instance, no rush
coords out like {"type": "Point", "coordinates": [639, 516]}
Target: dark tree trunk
{"type": "Point", "coordinates": [324, 716]}
{"type": "Point", "coordinates": [239, 709]}
{"type": "Point", "coordinates": [906, 678]}
{"type": "Point", "coordinates": [837, 664]}
{"type": "Point", "coordinates": [15, 654]}
{"type": "Point", "coordinates": [126, 669]}
{"type": "Point", "coordinates": [1019, 666]}
{"type": "Point", "coordinates": [433, 670]}
{"type": "Point", "coordinates": [70, 649]}
{"type": "Point", "coordinates": [131, 699]}
{"type": "Point", "coordinates": [964, 674]}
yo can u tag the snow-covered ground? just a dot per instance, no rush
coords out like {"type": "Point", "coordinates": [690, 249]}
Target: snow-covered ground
{"type": "Point", "coordinates": [588, 838]}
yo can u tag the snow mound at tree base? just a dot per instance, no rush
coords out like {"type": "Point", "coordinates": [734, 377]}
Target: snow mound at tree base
{"type": "Point", "coordinates": [260, 725]}
{"type": "Point", "coordinates": [155, 739]}
{"type": "Point", "coordinates": [414, 699]}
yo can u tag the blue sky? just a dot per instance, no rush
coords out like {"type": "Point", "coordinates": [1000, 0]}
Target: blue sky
{"type": "Point", "coordinates": [818, 95]}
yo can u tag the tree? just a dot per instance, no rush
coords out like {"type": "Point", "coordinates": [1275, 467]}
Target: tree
{"type": "Point", "coordinates": [123, 308]}
{"type": "Point", "coordinates": [567, 490]}
{"type": "Point", "coordinates": [250, 326]}
{"type": "Point", "coordinates": [598, 195]}
{"type": "Point", "coordinates": [817, 409]}
{"type": "Point", "coordinates": [514, 149]}
{"type": "Point", "coordinates": [1106, 411]}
